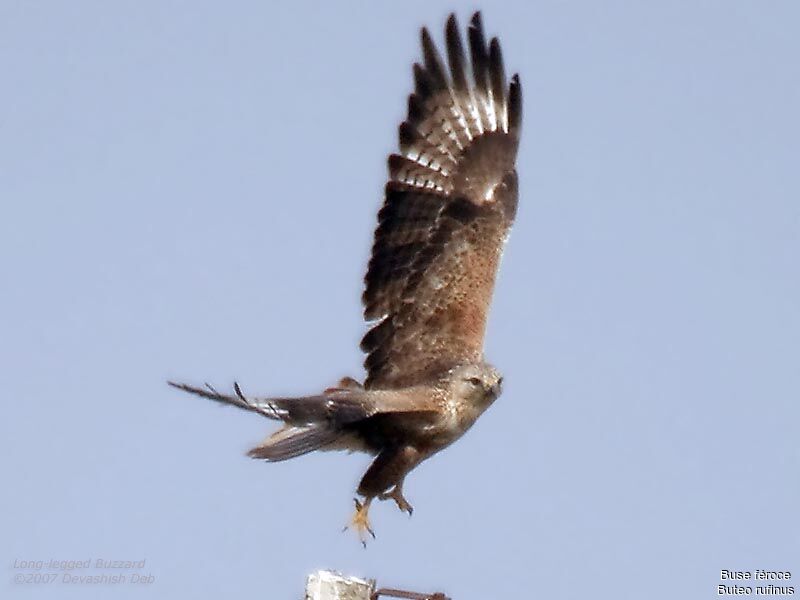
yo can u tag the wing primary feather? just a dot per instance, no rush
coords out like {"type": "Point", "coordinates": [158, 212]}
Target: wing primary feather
{"type": "Point", "coordinates": [264, 407]}
{"type": "Point", "coordinates": [455, 55]}
{"type": "Point", "coordinates": [416, 111]}
{"type": "Point", "coordinates": [515, 107]}
{"type": "Point", "coordinates": [480, 69]}
{"type": "Point", "coordinates": [498, 76]}
{"type": "Point", "coordinates": [463, 101]}
{"type": "Point", "coordinates": [423, 84]}
{"type": "Point", "coordinates": [433, 62]}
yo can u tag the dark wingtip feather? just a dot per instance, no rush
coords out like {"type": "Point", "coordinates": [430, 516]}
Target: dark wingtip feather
{"type": "Point", "coordinates": [416, 111]}
{"type": "Point", "coordinates": [433, 62]}
{"type": "Point", "coordinates": [498, 75]}
{"type": "Point", "coordinates": [452, 23]}
{"type": "Point", "coordinates": [206, 392]}
{"type": "Point", "coordinates": [209, 392]}
{"type": "Point", "coordinates": [477, 20]}
{"type": "Point", "coordinates": [423, 85]}
{"type": "Point", "coordinates": [455, 54]}
{"type": "Point", "coordinates": [515, 106]}
{"type": "Point", "coordinates": [408, 136]}
{"type": "Point", "coordinates": [478, 53]}
{"type": "Point", "coordinates": [425, 36]}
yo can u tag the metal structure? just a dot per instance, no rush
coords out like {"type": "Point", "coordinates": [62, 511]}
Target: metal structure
{"type": "Point", "coordinates": [330, 585]}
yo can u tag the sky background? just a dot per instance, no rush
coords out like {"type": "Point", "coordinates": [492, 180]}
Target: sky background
{"type": "Point", "coordinates": [188, 191]}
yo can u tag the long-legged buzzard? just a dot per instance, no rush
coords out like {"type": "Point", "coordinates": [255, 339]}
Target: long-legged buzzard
{"type": "Point", "coordinates": [449, 204]}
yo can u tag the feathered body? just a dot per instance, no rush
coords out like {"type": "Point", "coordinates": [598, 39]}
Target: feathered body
{"type": "Point", "coordinates": [449, 203]}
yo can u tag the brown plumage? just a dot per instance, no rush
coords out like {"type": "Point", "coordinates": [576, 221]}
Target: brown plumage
{"type": "Point", "coordinates": [449, 203]}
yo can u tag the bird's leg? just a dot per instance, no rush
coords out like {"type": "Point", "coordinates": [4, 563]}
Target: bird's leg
{"type": "Point", "coordinates": [360, 520]}
{"type": "Point", "coordinates": [396, 494]}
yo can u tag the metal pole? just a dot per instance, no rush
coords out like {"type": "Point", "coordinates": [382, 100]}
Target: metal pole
{"type": "Point", "coordinates": [329, 585]}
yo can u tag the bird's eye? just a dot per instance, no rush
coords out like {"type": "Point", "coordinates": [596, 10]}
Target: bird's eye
{"type": "Point", "coordinates": [475, 381]}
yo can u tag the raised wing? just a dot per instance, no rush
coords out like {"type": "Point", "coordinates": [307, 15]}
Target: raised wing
{"type": "Point", "coordinates": [450, 201]}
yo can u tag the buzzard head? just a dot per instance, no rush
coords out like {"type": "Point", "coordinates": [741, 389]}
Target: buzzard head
{"type": "Point", "coordinates": [480, 384]}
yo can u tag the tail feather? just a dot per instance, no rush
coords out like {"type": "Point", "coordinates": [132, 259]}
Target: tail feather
{"type": "Point", "coordinates": [291, 441]}
{"type": "Point", "coordinates": [310, 422]}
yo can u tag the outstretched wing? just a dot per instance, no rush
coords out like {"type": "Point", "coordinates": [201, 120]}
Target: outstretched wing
{"type": "Point", "coordinates": [450, 201]}
{"type": "Point", "coordinates": [323, 421]}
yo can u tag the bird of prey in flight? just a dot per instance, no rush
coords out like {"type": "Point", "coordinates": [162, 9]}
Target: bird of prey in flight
{"type": "Point", "coordinates": [449, 204]}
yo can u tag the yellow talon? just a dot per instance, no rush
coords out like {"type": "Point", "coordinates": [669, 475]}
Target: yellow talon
{"type": "Point", "coordinates": [360, 521]}
{"type": "Point", "coordinates": [397, 495]}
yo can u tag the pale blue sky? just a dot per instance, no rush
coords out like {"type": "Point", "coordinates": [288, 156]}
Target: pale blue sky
{"type": "Point", "coordinates": [189, 191]}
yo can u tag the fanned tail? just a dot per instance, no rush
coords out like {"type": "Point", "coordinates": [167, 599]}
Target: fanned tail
{"type": "Point", "coordinates": [291, 441]}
